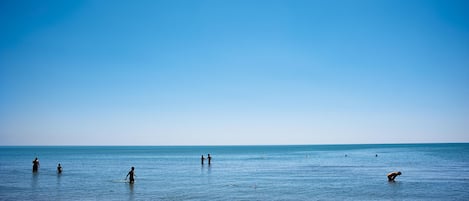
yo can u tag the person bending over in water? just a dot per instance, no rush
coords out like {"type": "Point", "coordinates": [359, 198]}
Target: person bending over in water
{"type": "Point", "coordinates": [131, 174]}
{"type": "Point", "coordinates": [59, 168]}
{"type": "Point", "coordinates": [35, 164]}
{"type": "Point", "coordinates": [393, 175]}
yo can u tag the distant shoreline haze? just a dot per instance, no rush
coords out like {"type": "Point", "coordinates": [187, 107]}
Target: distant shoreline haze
{"type": "Point", "coordinates": [248, 145]}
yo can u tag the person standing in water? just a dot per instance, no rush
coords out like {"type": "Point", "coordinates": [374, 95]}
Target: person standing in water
{"type": "Point", "coordinates": [131, 174]}
{"type": "Point", "coordinates": [393, 175]}
{"type": "Point", "coordinates": [202, 159]}
{"type": "Point", "coordinates": [35, 164]}
{"type": "Point", "coordinates": [209, 159]}
{"type": "Point", "coordinates": [59, 168]}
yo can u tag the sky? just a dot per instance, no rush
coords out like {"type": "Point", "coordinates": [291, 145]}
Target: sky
{"type": "Point", "coordinates": [233, 72]}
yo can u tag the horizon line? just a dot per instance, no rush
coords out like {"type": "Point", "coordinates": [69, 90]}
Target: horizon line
{"type": "Point", "coordinates": [239, 145]}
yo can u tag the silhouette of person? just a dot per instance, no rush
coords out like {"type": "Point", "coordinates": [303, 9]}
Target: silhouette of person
{"type": "Point", "coordinates": [209, 159]}
{"type": "Point", "coordinates": [131, 174]}
{"type": "Point", "coordinates": [393, 175]}
{"type": "Point", "coordinates": [59, 168]}
{"type": "Point", "coordinates": [35, 164]}
{"type": "Point", "coordinates": [202, 159]}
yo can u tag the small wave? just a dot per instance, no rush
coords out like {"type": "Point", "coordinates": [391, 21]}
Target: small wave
{"type": "Point", "coordinates": [119, 181]}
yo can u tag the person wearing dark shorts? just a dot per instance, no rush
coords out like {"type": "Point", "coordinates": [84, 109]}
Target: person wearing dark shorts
{"type": "Point", "coordinates": [393, 175]}
{"type": "Point", "coordinates": [35, 165]}
{"type": "Point", "coordinates": [131, 174]}
{"type": "Point", "coordinates": [59, 168]}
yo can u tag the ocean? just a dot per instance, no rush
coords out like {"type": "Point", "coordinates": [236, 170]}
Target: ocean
{"type": "Point", "coordinates": [173, 173]}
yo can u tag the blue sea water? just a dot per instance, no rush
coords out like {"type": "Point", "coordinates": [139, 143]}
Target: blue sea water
{"type": "Point", "coordinates": [307, 172]}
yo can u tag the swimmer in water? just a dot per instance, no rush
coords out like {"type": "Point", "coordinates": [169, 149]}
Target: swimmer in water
{"type": "Point", "coordinates": [393, 175]}
{"type": "Point", "coordinates": [35, 164]}
{"type": "Point", "coordinates": [59, 168]}
{"type": "Point", "coordinates": [131, 174]}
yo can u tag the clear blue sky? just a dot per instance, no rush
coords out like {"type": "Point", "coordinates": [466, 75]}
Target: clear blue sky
{"type": "Point", "coordinates": [233, 72]}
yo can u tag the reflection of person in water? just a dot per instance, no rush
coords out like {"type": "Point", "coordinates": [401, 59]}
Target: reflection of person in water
{"type": "Point", "coordinates": [393, 175]}
{"type": "Point", "coordinates": [59, 168]}
{"type": "Point", "coordinates": [35, 164]}
{"type": "Point", "coordinates": [131, 174]}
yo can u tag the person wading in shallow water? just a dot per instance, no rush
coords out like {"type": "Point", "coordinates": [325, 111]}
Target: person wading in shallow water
{"type": "Point", "coordinates": [393, 175]}
{"type": "Point", "coordinates": [209, 159]}
{"type": "Point", "coordinates": [202, 159]}
{"type": "Point", "coordinates": [131, 174]}
{"type": "Point", "coordinates": [59, 168]}
{"type": "Point", "coordinates": [35, 164]}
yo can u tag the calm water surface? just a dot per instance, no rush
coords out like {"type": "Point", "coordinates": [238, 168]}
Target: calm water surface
{"type": "Point", "coordinates": [310, 172]}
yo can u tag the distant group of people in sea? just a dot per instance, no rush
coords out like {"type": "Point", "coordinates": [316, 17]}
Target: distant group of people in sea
{"type": "Point", "coordinates": [209, 159]}
{"type": "Point", "coordinates": [36, 166]}
{"type": "Point", "coordinates": [391, 176]}
{"type": "Point", "coordinates": [131, 175]}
